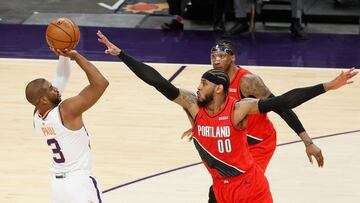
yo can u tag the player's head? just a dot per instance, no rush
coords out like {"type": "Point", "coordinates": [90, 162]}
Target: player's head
{"type": "Point", "coordinates": [213, 82]}
{"type": "Point", "coordinates": [223, 55]}
{"type": "Point", "coordinates": [41, 92]}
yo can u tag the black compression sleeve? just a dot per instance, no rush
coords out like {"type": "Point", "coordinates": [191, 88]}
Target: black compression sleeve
{"type": "Point", "coordinates": [290, 118]}
{"type": "Point", "coordinates": [150, 76]}
{"type": "Point", "coordinates": [290, 99]}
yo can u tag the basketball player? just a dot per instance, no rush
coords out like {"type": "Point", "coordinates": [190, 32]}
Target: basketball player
{"type": "Point", "coordinates": [61, 125]}
{"type": "Point", "coordinates": [261, 132]}
{"type": "Point", "coordinates": [220, 124]}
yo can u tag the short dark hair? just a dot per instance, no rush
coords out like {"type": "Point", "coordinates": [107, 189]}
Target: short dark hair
{"type": "Point", "coordinates": [34, 90]}
{"type": "Point", "coordinates": [219, 77]}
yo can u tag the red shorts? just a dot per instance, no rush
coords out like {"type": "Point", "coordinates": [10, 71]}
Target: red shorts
{"type": "Point", "coordinates": [250, 187]}
{"type": "Point", "coordinates": [263, 151]}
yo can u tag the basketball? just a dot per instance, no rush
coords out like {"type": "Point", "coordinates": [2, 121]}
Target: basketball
{"type": "Point", "coordinates": [62, 33]}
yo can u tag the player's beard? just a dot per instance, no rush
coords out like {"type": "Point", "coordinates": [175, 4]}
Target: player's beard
{"type": "Point", "coordinates": [208, 98]}
{"type": "Point", "coordinates": [56, 101]}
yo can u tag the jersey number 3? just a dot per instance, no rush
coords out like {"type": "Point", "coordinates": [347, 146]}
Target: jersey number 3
{"type": "Point", "coordinates": [56, 149]}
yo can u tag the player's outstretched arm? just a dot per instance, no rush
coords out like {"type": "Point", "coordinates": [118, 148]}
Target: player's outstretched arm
{"type": "Point", "coordinates": [92, 92]}
{"type": "Point", "coordinates": [292, 98]}
{"type": "Point", "coordinates": [152, 77]}
{"type": "Point", "coordinates": [253, 86]}
{"type": "Point", "coordinates": [296, 97]}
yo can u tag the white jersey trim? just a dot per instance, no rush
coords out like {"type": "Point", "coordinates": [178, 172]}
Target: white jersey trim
{"type": "Point", "coordinates": [253, 137]}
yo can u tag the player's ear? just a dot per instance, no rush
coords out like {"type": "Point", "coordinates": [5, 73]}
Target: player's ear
{"type": "Point", "coordinates": [43, 100]}
{"type": "Point", "coordinates": [233, 58]}
{"type": "Point", "coordinates": [219, 88]}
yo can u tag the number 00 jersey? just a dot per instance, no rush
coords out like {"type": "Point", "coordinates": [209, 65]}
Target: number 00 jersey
{"type": "Point", "coordinates": [222, 146]}
{"type": "Point", "coordinates": [69, 149]}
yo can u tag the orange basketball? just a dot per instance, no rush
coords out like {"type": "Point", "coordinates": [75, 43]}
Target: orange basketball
{"type": "Point", "coordinates": [62, 33]}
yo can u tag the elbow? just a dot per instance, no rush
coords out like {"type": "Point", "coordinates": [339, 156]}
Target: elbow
{"type": "Point", "coordinates": [104, 83]}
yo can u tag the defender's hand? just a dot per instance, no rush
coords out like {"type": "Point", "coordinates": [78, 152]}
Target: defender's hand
{"type": "Point", "coordinates": [313, 150]}
{"type": "Point", "coordinates": [341, 80]}
{"type": "Point", "coordinates": [111, 48]}
{"type": "Point", "coordinates": [189, 134]}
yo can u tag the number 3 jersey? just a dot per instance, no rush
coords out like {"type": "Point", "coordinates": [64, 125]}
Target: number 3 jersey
{"type": "Point", "coordinates": [70, 150]}
{"type": "Point", "coordinates": [222, 145]}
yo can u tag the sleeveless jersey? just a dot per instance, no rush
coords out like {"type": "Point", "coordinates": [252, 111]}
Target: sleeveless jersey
{"type": "Point", "coordinates": [69, 149]}
{"type": "Point", "coordinates": [259, 126]}
{"type": "Point", "coordinates": [221, 145]}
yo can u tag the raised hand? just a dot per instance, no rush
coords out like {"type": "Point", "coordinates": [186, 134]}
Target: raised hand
{"type": "Point", "coordinates": [110, 47]}
{"type": "Point", "coordinates": [341, 80]}
{"type": "Point", "coordinates": [66, 52]}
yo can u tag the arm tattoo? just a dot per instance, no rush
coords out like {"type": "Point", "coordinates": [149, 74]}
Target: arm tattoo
{"type": "Point", "coordinates": [188, 97]}
{"type": "Point", "coordinates": [253, 85]}
{"type": "Point", "coordinates": [247, 100]}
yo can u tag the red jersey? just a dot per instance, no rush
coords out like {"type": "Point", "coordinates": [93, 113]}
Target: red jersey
{"type": "Point", "coordinates": [222, 146]}
{"type": "Point", "coordinates": [259, 126]}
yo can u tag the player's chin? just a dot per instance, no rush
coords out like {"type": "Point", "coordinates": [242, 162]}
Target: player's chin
{"type": "Point", "coordinates": [219, 67]}
{"type": "Point", "coordinates": [57, 101]}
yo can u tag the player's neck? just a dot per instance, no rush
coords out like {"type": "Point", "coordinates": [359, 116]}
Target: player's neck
{"type": "Point", "coordinates": [216, 105]}
{"type": "Point", "coordinates": [232, 71]}
{"type": "Point", "coordinates": [44, 110]}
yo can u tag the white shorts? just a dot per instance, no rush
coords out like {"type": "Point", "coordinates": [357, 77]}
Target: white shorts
{"type": "Point", "coordinates": [75, 188]}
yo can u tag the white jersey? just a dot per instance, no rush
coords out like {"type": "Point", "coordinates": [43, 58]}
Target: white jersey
{"type": "Point", "coordinates": [70, 149]}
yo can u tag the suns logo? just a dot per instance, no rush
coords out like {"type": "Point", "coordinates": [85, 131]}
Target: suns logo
{"type": "Point", "coordinates": [142, 7]}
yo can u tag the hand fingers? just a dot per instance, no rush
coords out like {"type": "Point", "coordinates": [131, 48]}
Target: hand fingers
{"type": "Point", "coordinates": [101, 36]}
{"type": "Point", "coordinates": [99, 33]}
{"type": "Point", "coordinates": [53, 50]}
{"type": "Point", "coordinates": [104, 41]}
{"type": "Point", "coordinates": [185, 134]}
{"type": "Point", "coordinates": [60, 51]}
{"type": "Point", "coordinates": [320, 159]}
{"type": "Point", "coordinates": [352, 74]}
{"type": "Point", "coordinates": [310, 158]}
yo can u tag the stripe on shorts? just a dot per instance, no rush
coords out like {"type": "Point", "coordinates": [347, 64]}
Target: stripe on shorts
{"type": "Point", "coordinates": [97, 189]}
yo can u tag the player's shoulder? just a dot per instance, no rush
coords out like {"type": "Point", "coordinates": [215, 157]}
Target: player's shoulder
{"type": "Point", "coordinates": [250, 79]}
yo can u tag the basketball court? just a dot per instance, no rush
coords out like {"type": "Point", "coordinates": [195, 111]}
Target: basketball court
{"type": "Point", "coordinates": [135, 132]}
{"type": "Point", "coordinates": [135, 138]}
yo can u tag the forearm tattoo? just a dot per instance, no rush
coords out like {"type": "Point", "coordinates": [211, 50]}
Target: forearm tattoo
{"type": "Point", "coordinates": [188, 97]}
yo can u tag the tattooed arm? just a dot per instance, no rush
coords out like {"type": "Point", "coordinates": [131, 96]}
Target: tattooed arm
{"type": "Point", "coordinates": [188, 101]}
{"type": "Point", "coordinates": [150, 76]}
